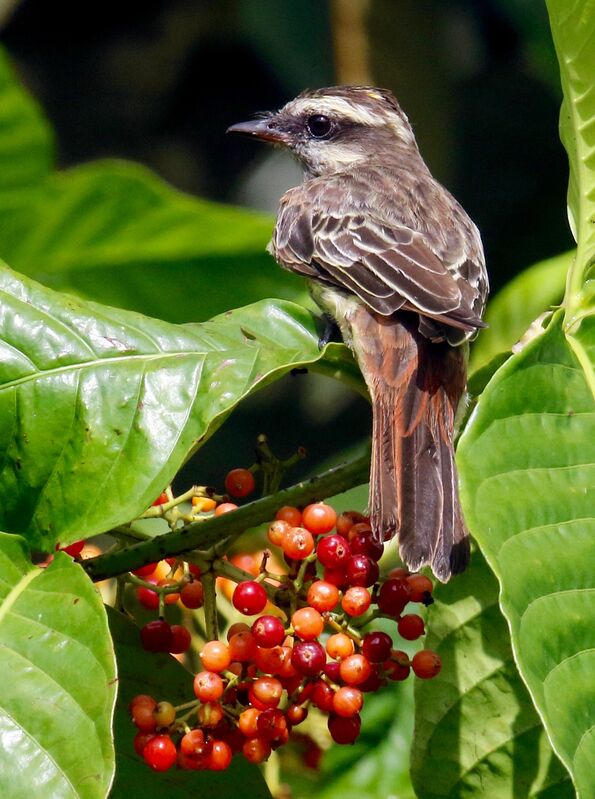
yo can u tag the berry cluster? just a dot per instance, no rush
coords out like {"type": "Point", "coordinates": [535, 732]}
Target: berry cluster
{"type": "Point", "coordinates": [305, 647]}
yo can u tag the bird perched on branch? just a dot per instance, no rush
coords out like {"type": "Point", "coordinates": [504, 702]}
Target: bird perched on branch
{"type": "Point", "coordinates": [396, 262]}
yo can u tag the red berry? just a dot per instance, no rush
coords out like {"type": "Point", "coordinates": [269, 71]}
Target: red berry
{"type": "Point", "coordinates": [142, 717]}
{"type": "Point", "coordinates": [181, 639]}
{"type": "Point", "coordinates": [147, 598]}
{"type": "Point", "coordinates": [361, 570]}
{"type": "Point", "coordinates": [289, 514]}
{"type": "Point", "coordinates": [74, 549]}
{"type": "Point", "coordinates": [421, 588]}
{"type": "Point", "coordinates": [336, 577]}
{"type": "Point", "coordinates": [161, 499]}
{"type": "Point", "coordinates": [377, 646]}
{"type": "Point", "coordinates": [364, 544]}
{"type": "Point", "coordinates": [210, 714]}
{"type": "Point", "coordinates": [160, 753]}
{"type": "Point", "coordinates": [308, 658]}
{"type": "Point", "coordinates": [215, 656]}
{"type": "Point", "coordinates": [307, 623]}
{"type": "Point", "coordinates": [208, 686]}
{"type": "Point", "coordinates": [239, 483]}
{"type": "Point", "coordinates": [256, 750]}
{"type": "Point", "coordinates": [322, 696]}
{"type": "Point", "coordinates": [332, 669]}
{"type": "Point", "coordinates": [145, 571]}
{"type": "Point", "coordinates": [344, 524]}
{"type": "Point", "coordinates": [141, 699]}
{"type": "Point", "coordinates": [356, 600]}
{"type": "Point", "coordinates": [393, 596]}
{"type": "Point", "coordinates": [156, 636]}
{"type": "Point", "coordinates": [347, 701]}
{"type": "Point", "coordinates": [355, 669]}
{"type": "Point", "coordinates": [225, 507]}
{"type": "Point", "coordinates": [296, 714]}
{"type": "Point", "coordinates": [249, 598]}
{"type": "Point", "coordinates": [339, 646]}
{"type": "Point", "coordinates": [322, 595]}
{"type": "Point", "coordinates": [194, 743]}
{"type": "Point", "coordinates": [242, 646]}
{"type": "Point", "coordinates": [268, 631]}
{"type": "Point", "coordinates": [374, 681]}
{"type": "Point", "coordinates": [426, 664]}
{"type": "Point", "coordinates": [192, 595]}
{"type": "Point", "coordinates": [237, 627]}
{"type": "Point", "coordinates": [265, 692]}
{"type": "Point", "coordinates": [298, 543]}
{"type": "Point", "coordinates": [271, 724]}
{"type": "Point", "coordinates": [344, 730]}
{"type": "Point", "coordinates": [319, 518]}
{"type": "Point", "coordinates": [220, 756]}
{"type": "Point", "coordinates": [277, 532]}
{"type": "Point", "coordinates": [141, 739]}
{"type": "Point", "coordinates": [397, 667]}
{"type": "Point", "coordinates": [247, 722]}
{"type": "Point", "coordinates": [333, 552]}
{"type": "Point", "coordinates": [410, 626]}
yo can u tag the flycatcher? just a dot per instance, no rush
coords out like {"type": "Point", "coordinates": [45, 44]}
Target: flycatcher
{"type": "Point", "coordinates": [392, 257]}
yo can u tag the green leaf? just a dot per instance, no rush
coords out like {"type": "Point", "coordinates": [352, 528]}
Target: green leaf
{"type": "Point", "coordinates": [114, 232]}
{"type": "Point", "coordinates": [527, 467]}
{"type": "Point", "coordinates": [476, 730]}
{"type": "Point", "coordinates": [509, 314]}
{"type": "Point", "coordinates": [26, 140]}
{"type": "Point", "coordinates": [573, 30]}
{"type": "Point", "coordinates": [100, 407]}
{"type": "Point", "coordinates": [164, 678]}
{"type": "Point", "coordinates": [58, 674]}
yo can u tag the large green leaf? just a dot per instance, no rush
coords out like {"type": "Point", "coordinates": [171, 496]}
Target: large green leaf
{"type": "Point", "coordinates": [476, 730]}
{"type": "Point", "coordinates": [509, 314]}
{"type": "Point", "coordinates": [100, 407]}
{"type": "Point", "coordinates": [164, 678]}
{"type": "Point", "coordinates": [114, 232]}
{"type": "Point", "coordinates": [527, 465]}
{"type": "Point", "coordinates": [573, 30]}
{"type": "Point", "coordinates": [26, 141]}
{"type": "Point", "coordinates": [58, 674]}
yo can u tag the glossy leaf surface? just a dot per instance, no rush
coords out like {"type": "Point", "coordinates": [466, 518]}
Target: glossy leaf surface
{"type": "Point", "coordinates": [476, 730]}
{"type": "Point", "coordinates": [58, 674]}
{"type": "Point", "coordinates": [114, 232]}
{"type": "Point", "coordinates": [527, 465]}
{"type": "Point", "coordinates": [100, 407]}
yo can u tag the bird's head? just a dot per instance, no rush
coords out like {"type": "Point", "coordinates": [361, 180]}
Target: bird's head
{"type": "Point", "coordinates": [332, 129]}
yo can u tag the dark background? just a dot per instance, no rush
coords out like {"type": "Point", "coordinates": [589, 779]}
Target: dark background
{"type": "Point", "coordinates": [159, 81]}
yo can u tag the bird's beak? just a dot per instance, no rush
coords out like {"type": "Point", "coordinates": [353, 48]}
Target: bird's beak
{"type": "Point", "coordinates": [263, 129]}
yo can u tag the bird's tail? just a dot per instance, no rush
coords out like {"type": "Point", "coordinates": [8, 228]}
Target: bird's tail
{"type": "Point", "coordinates": [415, 386]}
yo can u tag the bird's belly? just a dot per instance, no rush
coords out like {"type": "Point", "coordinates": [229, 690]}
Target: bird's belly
{"type": "Point", "coordinates": [339, 305]}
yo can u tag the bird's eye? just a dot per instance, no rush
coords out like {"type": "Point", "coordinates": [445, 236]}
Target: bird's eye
{"type": "Point", "coordinates": [319, 126]}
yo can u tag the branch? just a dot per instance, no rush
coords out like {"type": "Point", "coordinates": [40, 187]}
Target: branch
{"type": "Point", "coordinates": [223, 530]}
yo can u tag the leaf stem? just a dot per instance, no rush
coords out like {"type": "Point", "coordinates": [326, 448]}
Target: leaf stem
{"type": "Point", "coordinates": [210, 605]}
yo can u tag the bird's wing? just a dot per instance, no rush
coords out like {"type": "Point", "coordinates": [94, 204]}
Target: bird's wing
{"type": "Point", "coordinates": [388, 265]}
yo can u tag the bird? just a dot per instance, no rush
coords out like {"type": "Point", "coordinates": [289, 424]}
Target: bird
{"type": "Point", "coordinates": [396, 263]}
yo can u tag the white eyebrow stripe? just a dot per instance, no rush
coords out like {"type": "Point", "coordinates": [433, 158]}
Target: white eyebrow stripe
{"type": "Point", "coordinates": [339, 106]}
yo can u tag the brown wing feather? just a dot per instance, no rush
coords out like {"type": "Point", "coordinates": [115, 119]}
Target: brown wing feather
{"type": "Point", "coordinates": [386, 263]}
